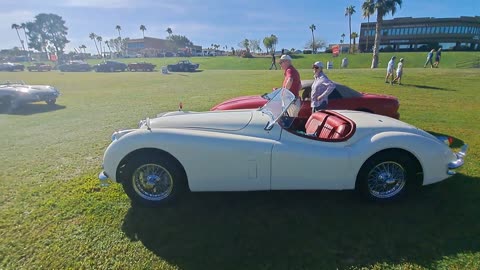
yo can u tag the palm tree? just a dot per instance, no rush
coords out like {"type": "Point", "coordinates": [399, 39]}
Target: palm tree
{"type": "Point", "coordinates": [313, 28]}
{"type": "Point", "coordinates": [108, 46]}
{"type": "Point", "coordinates": [368, 8]}
{"type": "Point", "coordinates": [169, 31]}
{"type": "Point", "coordinates": [349, 12]}
{"type": "Point", "coordinates": [143, 29]}
{"type": "Point", "coordinates": [354, 37]}
{"type": "Point", "coordinates": [382, 8]}
{"type": "Point", "coordinates": [16, 27]}
{"type": "Point", "coordinates": [119, 28]}
{"type": "Point", "coordinates": [93, 37]}
{"type": "Point", "coordinates": [83, 47]}
{"type": "Point", "coordinates": [99, 39]}
{"type": "Point", "coordinates": [24, 26]}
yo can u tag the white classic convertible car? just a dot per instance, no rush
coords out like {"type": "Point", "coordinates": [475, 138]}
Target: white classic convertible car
{"type": "Point", "coordinates": [265, 149]}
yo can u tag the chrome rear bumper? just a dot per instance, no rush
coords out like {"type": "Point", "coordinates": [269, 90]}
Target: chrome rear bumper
{"type": "Point", "coordinates": [459, 161]}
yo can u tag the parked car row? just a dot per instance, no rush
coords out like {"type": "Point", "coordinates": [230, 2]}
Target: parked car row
{"type": "Point", "coordinates": [11, 67]}
{"type": "Point", "coordinates": [106, 66]}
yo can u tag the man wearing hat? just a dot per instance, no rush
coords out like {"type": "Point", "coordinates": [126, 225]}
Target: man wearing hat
{"type": "Point", "coordinates": [292, 77]}
{"type": "Point", "coordinates": [322, 87]}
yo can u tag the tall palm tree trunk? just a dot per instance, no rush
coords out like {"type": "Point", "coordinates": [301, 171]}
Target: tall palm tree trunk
{"type": "Point", "coordinates": [313, 42]}
{"type": "Point", "coordinates": [368, 32]}
{"type": "Point", "coordinates": [19, 38]}
{"type": "Point", "coordinates": [376, 44]}
{"type": "Point", "coordinates": [350, 36]}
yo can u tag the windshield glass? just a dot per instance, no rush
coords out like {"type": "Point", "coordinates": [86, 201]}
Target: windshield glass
{"type": "Point", "coordinates": [269, 96]}
{"type": "Point", "coordinates": [278, 104]}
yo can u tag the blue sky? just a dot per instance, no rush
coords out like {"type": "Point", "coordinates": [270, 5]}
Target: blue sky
{"type": "Point", "coordinates": [212, 21]}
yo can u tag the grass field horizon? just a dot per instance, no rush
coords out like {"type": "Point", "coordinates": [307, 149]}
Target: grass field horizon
{"type": "Point", "coordinates": [450, 59]}
{"type": "Point", "coordinates": [54, 215]}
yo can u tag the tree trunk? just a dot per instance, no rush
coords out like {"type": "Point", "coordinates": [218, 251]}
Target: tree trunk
{"type": "Point", "coordinates": [350, 36]}
{"type": "Point", "coordinates": [19, 38]}
{"type": "Point", "coordinates": [313, 43]}
{"type": "Point", "coordinates": [368, 31]}
{"type": "Point", "coordinates": [377, 41]}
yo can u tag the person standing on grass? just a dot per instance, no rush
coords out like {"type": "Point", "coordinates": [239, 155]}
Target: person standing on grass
{"type": "Point", "coordinates": [390, 68]}
{"type": "Point", "coordinates": [274, 63]}
{"type": "Point", "coordinates": [438, 55]}
{"type": "Point", "coordinates": [429, 59]}
{"type": "Point", "coordinates": [399, 72]}
{"type": "Point", "coordinates": [291, 82]}
{"type": "Point", "coordinates": [322, 87]}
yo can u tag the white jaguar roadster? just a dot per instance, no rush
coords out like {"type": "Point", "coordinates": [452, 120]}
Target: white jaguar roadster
{"type": "Point", "coordinates": [265, 149]}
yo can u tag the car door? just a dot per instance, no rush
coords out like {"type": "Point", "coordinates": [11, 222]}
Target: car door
{"type": "Point", "coordinates": [299, 162]}
{"type": "Point", "coordinates": [230, 162]}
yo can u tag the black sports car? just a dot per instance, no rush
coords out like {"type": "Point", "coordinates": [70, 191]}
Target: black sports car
{"type": "Point", "coordinates": [15, 94]}
{"type": "Point", "coordinates": [184, 65]}
{"type": "Point", "coordinates": [110, 66]}
{"type": "Point", "coordinates": [75, 66]}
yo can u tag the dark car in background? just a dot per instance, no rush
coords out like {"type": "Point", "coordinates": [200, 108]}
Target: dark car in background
{"type": "Point", "coordinates": [141, 66]}
{"type": "Point", "coordinates": [73, 66]}
{"type": "Point", "coordinates": [110, 66]}
{"type": "Point", "coordinates": [15, 94]}
{"type": "Point", "coordinates": [183, 65]}
{"type": "Point", "coordinates": [11, 67]}
{"type": "Point", "coordinates": [39, 67]}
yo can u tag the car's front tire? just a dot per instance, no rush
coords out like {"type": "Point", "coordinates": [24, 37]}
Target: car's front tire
{"type": "Point", "coordinates": [153, 179]}
{"type": "Point", "coordinates": [387, 176]}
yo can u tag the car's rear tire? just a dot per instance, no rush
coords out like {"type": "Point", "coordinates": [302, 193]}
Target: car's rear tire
{"type": "Point", "coordinates": [153, 179]}
{"type": "Point", "coordinates": [387, 176]}
{"type": "Point", "coordinates": [51, 101]}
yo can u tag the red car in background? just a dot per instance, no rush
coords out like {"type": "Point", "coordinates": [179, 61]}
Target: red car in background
{"type": "Point", "coordinates": [342, 98]}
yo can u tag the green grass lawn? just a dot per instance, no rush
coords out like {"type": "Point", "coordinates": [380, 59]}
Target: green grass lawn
{"type": "Point", "coordinates": [450, 59]}
{"type": "Point", "coordinates": [54, 215]}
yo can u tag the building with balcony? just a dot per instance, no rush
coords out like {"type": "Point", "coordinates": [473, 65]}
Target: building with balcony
{"type": "Point", "coordinates": [423, 34]}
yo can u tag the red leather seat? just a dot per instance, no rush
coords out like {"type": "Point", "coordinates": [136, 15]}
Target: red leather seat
{"type": "Point", "coordinates": [328, 126]}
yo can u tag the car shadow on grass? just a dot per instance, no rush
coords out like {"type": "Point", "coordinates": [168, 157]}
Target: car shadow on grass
{"type": "Point", "coordinates": [32, 108]}
{"type": "Point", "coordinates": [311, 230]}
{"type": "Point", "coordinates": [428, 87]}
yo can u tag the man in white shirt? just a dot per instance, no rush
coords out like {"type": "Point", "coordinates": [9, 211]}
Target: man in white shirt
{"type": "Point", "coordinates": [390, 68]}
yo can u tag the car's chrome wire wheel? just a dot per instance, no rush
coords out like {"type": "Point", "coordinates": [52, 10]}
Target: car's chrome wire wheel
{"type": "Point", "coordinates": [386, 179]}
{"type": "Point", "coordinates": [152, 182]}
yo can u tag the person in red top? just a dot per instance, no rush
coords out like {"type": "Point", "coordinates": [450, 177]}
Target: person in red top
{"type": "Point", "coordinates": [292, 77]}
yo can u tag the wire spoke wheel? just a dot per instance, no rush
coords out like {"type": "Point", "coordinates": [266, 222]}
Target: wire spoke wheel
{"type": "Point", "coordinates": [386, 179]}
{"type": "Point", "coordinates": [152, 182]}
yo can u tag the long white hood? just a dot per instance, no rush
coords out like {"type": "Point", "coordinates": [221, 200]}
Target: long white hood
{"type": "Point", "coordinates": [216, 120]}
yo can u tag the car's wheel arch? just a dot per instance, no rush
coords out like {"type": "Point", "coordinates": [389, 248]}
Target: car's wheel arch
{"type": "Point", "coordinates": [417, 166]}
{"type": "Point", "coordinates": [141, 152]}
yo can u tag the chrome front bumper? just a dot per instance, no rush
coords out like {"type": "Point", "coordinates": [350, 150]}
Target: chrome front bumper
{"type": "Point", "coordinates": [103, 177]}
{"type": "Point", "coordinates": [459, 161]}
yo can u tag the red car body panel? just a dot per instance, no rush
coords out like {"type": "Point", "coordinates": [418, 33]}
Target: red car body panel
{"type": "Point", "coordinates": [343, 98]}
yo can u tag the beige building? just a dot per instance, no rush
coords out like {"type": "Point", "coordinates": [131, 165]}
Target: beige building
{"type": "Point", "coordinates": [156, 47]}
